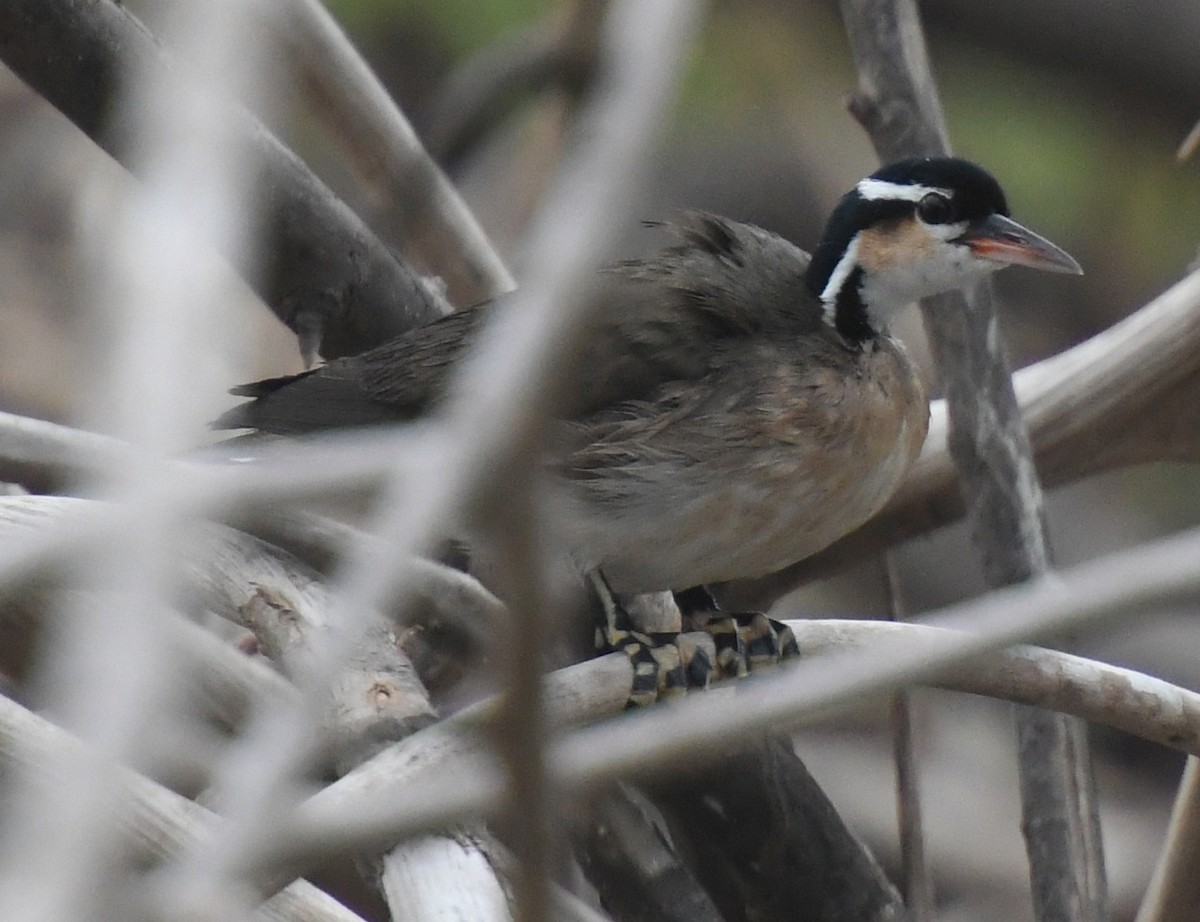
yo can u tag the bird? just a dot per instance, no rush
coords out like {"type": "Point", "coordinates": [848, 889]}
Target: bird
{"type": "Point", "coordinates": [741, 404]}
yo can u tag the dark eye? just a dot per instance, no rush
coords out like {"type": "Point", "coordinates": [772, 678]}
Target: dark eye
{"type": "Point", "coordinates": [935, 209]}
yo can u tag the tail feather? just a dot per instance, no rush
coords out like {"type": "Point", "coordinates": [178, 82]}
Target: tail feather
{"type": "Point", "coordinates": [313, 401]}
{"type": "Point", "coordinates": [267, 386]}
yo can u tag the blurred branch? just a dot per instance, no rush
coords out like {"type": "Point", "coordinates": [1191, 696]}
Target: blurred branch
{"type": "Point", "coordinates": [630, 860]}
{"type": "Point", "coordinates": [1189, 144]}
{"type": "Point", "coordinates": [445, 782]}
{"type": "Point", "coordinates": [324, 274]}
{"type": "Point", "coordinates": [1129, 395]}
{"type": "Point", "coordinates": [1174, 891]}
{"type": "Point", "coordinates": [46, 456]}
{"type": "Point", "coordinates": [613, 673]}
{"type": "Point", "coordinates": [427, 219]}
{"type": "Point", "coordinates": [897, 102]}
{"type": "Point", "coordinates": [561, 49]}
{"type": "Point", "coordinates": [235, 574]}
{"type": "Point", "coordinates": [501, 399]}
{"type": "Point", "coordinates": [225, 684]}
{"type": "Point", "coordinates": [601, 687]}
{"type": "Point", "coordinates": [916, 882]}
{"type": "Point", "coordinates": [768, 843]}
{"type": "Point", "coordinates": [447, 877]}
{"type": "Point", "coordinates": [1131, 701]}
{"type": "Point", "coordinates": [155, 821]}
{"type": "Point", "coordinates": [377, 700]}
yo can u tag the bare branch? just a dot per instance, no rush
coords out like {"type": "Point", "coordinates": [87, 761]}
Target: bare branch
{"type": "Point", "coordinates": [1189, 144]}
{"type": "Point", "coordinates": [704, 727]}
{"type": "Point", "coordinates": [45, 455]}
{"type": "Point", "coordinates": [155, 821]}
{"type": "Point", "coordinates": [562, 50]}
{"type": "Point", "coordinates": [520, 362]}
{"type": "Point", "coordinates": [1131, 701]}
{"type": "Point", "coordinates": [898, 103]}
{"type": "Point", "coordinates": [428, 220]}
{"type": "Point", "coordinates": [1128, 395]}
{"type": "Point", "coordinates": [1174, 891]}
{"type": "Point", "coordinates": [917, 884]}
{"type": "Point", "coordinates": [768, 842]}
{"type": "Point", "coordinates": [629, 860]}
{"type": "Point", "coordinates": [326, 276]}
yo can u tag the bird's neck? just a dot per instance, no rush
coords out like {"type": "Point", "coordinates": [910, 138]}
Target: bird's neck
{"type": "Point", "coordinates": [835, 278]}
{"type": "Point", "coordinates": [848, 312]}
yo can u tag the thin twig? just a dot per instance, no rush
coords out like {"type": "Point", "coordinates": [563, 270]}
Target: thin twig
{"type": "Point", "coordinates": [918, 886]}
{"type": "Point", "coordinates": [560, 51]}
{"type": "Point", "coordinates": [111, 666]}
{"type": "Point", "coordinates": [1189, 144]}
{"type": "Point", "coordinates": [1174, 891]}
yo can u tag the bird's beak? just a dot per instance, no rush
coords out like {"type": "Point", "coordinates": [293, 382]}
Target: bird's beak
{"type": "Point", "coordinates": [1003, 240]}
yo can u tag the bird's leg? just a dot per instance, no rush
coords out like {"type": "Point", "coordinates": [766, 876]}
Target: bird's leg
{"type": "Point", "coordinates": [664, 663]}
{"type": "Point", "coordinates": [745, 642]}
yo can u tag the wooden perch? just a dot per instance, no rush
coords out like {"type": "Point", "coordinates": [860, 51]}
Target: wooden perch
{"type": "Point", "coordinates": [377, 701]}
{"type": "Point", "coordinates": [599, 688]}
{"type": "Point", "coordinates": [444, 764]}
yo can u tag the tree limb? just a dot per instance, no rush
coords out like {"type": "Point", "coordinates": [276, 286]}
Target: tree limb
{"type": "Point", "coordinates": [1174, 891]}
{"type": "Point", "coordinates": [324, 274]}
{"type": "Point", "coordinates": [897, 102]}
{"type": "Point", "coordinates": [768, 843]}
{"type": "Point", "coordinates": [413, 199]}
{"type": "Point", "coordinates": [156, 822]}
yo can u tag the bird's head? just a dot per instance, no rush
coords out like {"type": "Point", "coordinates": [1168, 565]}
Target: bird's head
{"type": "Point", "coordinates": [913, 229]}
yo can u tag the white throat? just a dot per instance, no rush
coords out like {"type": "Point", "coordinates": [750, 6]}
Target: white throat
{"type": "Point", "coordinates": [888, 282]}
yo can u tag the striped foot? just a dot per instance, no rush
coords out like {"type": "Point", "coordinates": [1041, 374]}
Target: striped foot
{"type": "Point", "coordinates": [664, 664]}
{"type": "Point", "coordinates": [744, 643]}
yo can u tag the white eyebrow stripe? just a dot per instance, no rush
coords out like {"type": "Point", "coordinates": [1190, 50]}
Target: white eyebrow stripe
{"type": "Point", "coordinates": [837, 278]}
{"type": "Point", "coordinates": [876, 189]}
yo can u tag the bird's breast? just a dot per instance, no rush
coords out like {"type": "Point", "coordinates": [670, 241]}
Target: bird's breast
{"type": "Point", "coordinates": [766, 461]}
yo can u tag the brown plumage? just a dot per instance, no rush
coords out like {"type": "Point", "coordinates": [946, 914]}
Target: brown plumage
{"type": "Point", "coordinates": [719, 429]}
{"type": "Point", "coordinates": [738, 406]}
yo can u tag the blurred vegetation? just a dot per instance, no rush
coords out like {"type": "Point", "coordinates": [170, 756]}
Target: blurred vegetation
{"type": "Point", "coordinates": [464, 25]}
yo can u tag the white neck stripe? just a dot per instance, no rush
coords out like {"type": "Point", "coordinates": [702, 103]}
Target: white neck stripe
{"type": "Point", "coordinates": [876, 189]}
{"type": "Point", "coordinates": [837, 279]}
